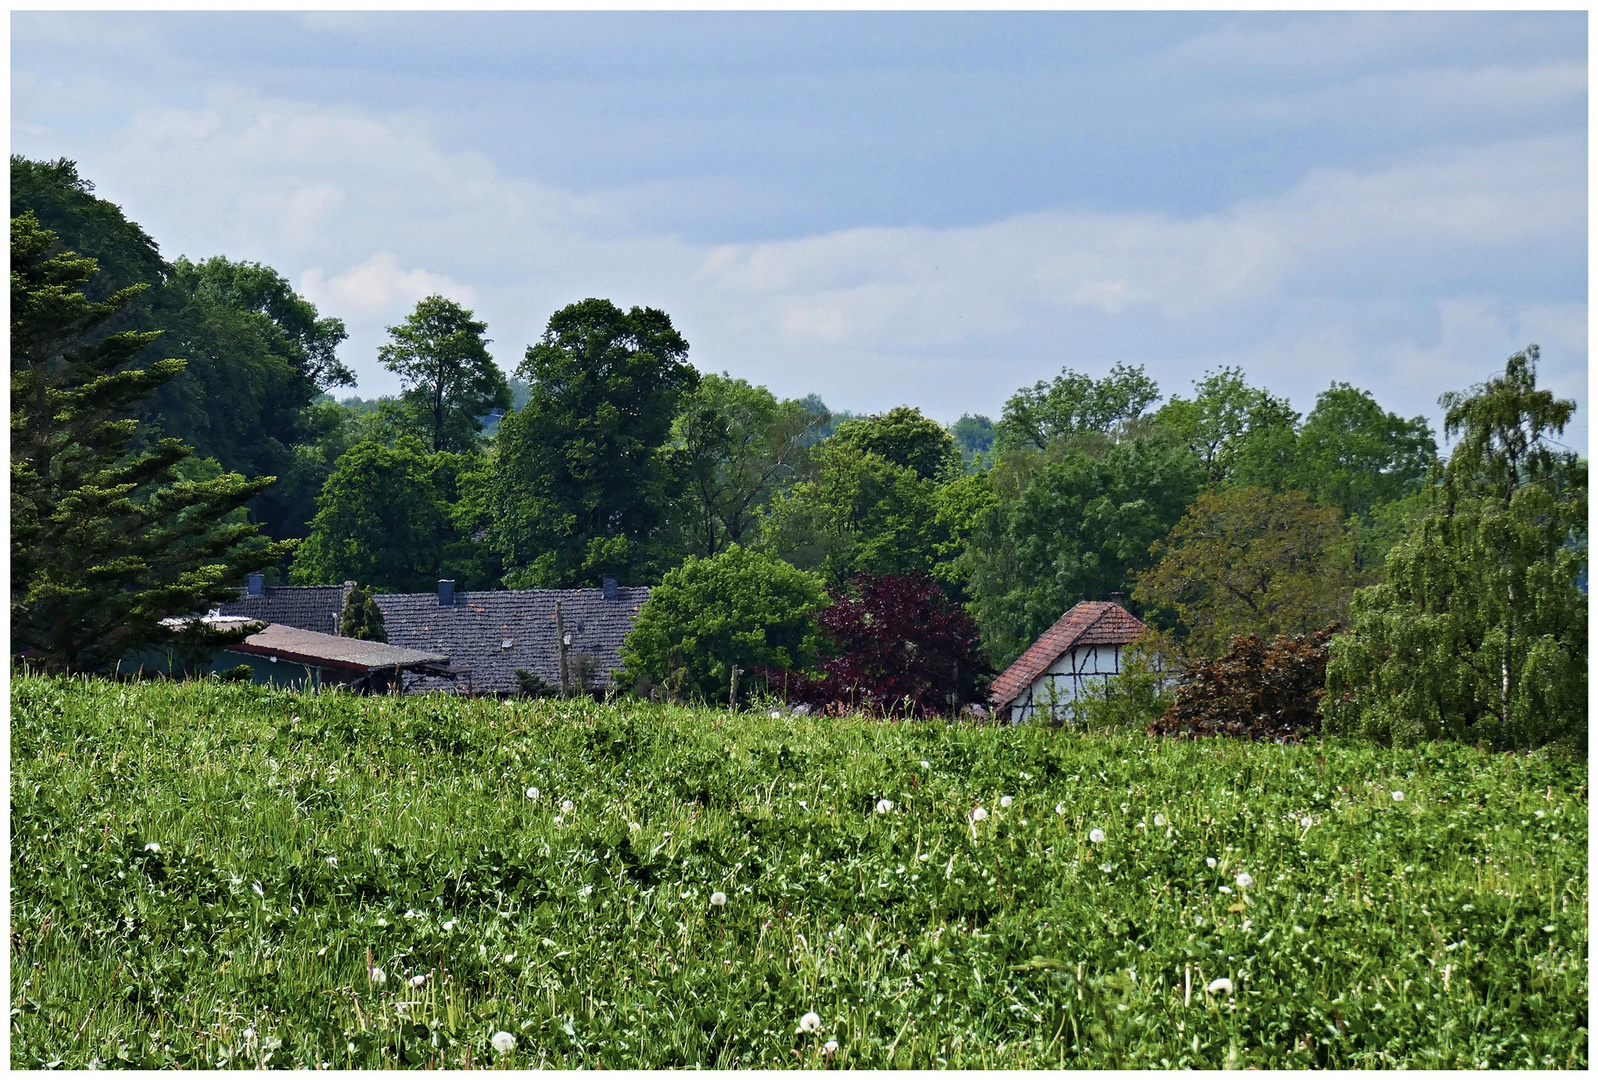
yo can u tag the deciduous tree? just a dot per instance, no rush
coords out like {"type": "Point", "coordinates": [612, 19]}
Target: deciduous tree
{"type": "Point", "coordinates": [449, 380]}
{"type": "Point", "coordinates": [1355, 456]}
{"type": "Point", "coordinates": [1241, 433]}
{"type": "Point", "coordinates": [905, 437]}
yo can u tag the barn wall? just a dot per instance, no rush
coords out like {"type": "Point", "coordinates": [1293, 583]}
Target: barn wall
{"type": "Point", "coordinates": [1077, 671]}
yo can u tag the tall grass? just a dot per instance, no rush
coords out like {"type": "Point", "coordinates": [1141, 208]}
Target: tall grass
{"type": "Point", "coordinates": [211, 875]}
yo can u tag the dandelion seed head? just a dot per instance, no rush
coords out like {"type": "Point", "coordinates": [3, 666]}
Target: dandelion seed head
{"type": "Point", "coordinates": [776, 714]}
{"type": "Point", "coordinates": [925, 764]}
{"type": "Point", "coordinates": [633, 827]}
{"type": "Point", "coordinates": [379, 976]}
{"type": "Point", "coordinates": [418, 980]}
{"type": "Point", "coordinates": [504, 1042]}
{"type": "Point", "coordinates": [1398, 796]}
{"type": "Point", "coordinates": [1159, 820]}
{"type": "Point", "coordinates": [1006, 802]}
{"type": "Point", "coordinates": [979, 814]}
{"type": "Point", "coordinates": [567, 806]}
{"type": "Point", "coordinates": [153, 846]}
{"type": "Point", "coordinates": [1245, 880]}
{"type": "Point", "coordinates": [883, 806]}
{"type": "Point", "coordinates": [829, 1047]}
{"type": "Point", "coordinates": [1305, 822]}
{"type": "Point", "coordinates": [1210, 862]}
{"type": "Point", "coordinates": [1096, 836]}
{"type": "Point", "coordinates": [1059, 808]}
{"type": "Point", "coordinates": [718, 899]}
{"type": "Point", "coordinates": [332, 860]}
{"type": "Point", "coordinates": [532, 793]}
{"type": "Point", "coordinates": [810, 1022]}
{"type": "Point", "coordinates": [1222, 985]}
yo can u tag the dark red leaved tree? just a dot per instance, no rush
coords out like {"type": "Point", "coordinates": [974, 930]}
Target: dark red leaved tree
{"type": "Point", "coordinates": [899, 646]}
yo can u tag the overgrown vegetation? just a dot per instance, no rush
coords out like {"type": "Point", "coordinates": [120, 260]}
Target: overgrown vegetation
{"type": "Point", "coordinates": [214, 874]}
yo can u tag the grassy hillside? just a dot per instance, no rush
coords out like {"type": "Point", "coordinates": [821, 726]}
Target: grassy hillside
{"type": "Point", "coordinates": [208, 874]}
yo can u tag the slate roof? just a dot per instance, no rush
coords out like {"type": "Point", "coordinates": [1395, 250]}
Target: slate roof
{"type": "Point", "coordinates": [1092, 622]}
{"type": "Point", "coordinates": [314, 607]}
{"type": "Point", "coordinates": [473, 632]}
{"type": "Point", "coordinates": [326, 650]}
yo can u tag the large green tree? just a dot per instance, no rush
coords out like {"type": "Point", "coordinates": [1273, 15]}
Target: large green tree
{"type": "Point", "coordinates": [395, 517]}
{"type": "Point", "coordinates": [905, 437]}
{"type": "Point", "coordinates": [734, 446]}
{"type": "Point", "coordinates": [449, 381]}
{"type": "Point", "coordinates": [1073, 404]}
{"type": "Point", "coordinates": [1246, 561]}
{"type": "Point", "coordinates": [1075, 528]}
{"type": "Point", "coordinates": [1354, 455]}
{"type": "Point", "coordinates": [1479, 632]}
{"type": "Point", "coordinates": [858, 513]}
{"type": "Point", "coordinates": [1242, 434]}
{"type": "Point", "coordinates": [583, 476]}
{"type": "Point", "coordinates": [737, 608]}
{"type": "Point", "coordinates": [106, 541]}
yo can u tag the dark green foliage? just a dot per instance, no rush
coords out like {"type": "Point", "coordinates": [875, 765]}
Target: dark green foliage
{"type": "Point", "coordinates": [974, 434]}
{"type": "Point", "coordinates": [858, 513]}
{"type": "Point", "coordinates": [361, 617]}
{"type": "Point", "coordinates": [531, 686]}
{"type": "Point", "coordinates": [1079, 530]}
{"type": "Point", "coordinates": [1480, 631]}
{"type": "Point", "coordinates": [582, 477]}
{"type": "Point", "coordinates": [905, 437]}
{"type": "Point", "coordinates": [1254, 690]}
{"type": "Point", "coordinates": [65, 204]}
{"type": "Point", "coordinates": [1240, 433]}
{"type": "Point", "coordinates": [105, 543]}
{"type": "Point", "coordinates": [738, 608]}
{"type": "Point", "coordinates": [398, 518]}
{"type": "Point", "coordinates": [449, 381]}
{"type": "Point", "coordinates": [1073, 404]}
{"type": "Point", "coordinates": [1356, 457]}
{"type": "Point", "coordinates": [734, 446]}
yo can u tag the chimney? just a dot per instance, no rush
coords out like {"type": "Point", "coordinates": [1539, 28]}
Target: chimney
{"type": "Point", "coordinates": [1118, 599]}
{"type": "Point", "coordinates": [255, 584]}
{"type": "Point", "coordinates": [446, 592]}
{"type": "Point", "coordinates": [610, 588]}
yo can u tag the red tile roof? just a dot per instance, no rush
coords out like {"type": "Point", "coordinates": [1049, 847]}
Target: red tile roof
{"type": "Point", "coordinates": [1092, 622]}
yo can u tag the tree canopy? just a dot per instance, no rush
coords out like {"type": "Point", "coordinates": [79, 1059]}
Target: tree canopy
{"type": "Point", "coordinates": [1072, 404]}
{"type": "Point", "coordinates": [1239, 432]}
{"type": "Point", "coordinates": [106, 541]}
{"type": "Point", "coordinates": [448, 380]}
{"type": "Point", "coordinates": [905, 437]}
{"type": "Point", "coordinates": [582, 478]}
{"type": "Point", "coordinates": [1354, 455]}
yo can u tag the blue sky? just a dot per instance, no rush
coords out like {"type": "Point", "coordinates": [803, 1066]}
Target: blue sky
{"type": "Point", "coordinates": [930, 209]}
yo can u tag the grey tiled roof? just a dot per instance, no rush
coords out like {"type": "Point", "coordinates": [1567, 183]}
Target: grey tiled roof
{"type": "Point", "coordinates": [314, 607]}
{"type": "Point", "coordinates": [472, 631]}
{"type": "Point", "coordinates": [308, 646]}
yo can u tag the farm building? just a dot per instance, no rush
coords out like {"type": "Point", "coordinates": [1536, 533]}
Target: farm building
{"type": "Point", "coordinates": [488, 636]}
{"type": "Point", "coordinates": [1079, 652]}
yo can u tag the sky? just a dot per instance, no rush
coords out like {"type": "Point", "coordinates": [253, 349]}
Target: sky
{"type": "Point", "coordinates": [927, 209]}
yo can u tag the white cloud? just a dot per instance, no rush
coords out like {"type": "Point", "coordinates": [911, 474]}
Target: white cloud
{"type": "Point", "coordinates": [379, 286]}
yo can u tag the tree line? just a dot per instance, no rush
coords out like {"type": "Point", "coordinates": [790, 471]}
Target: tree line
{"type": "Point", "coordinates": [785, 541]}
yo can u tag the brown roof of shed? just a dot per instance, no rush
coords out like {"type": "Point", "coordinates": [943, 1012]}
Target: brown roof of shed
{"type": "Point", "coordinates": [325, 650]}
{"type": "Point", "coordinates": [1092, 622]}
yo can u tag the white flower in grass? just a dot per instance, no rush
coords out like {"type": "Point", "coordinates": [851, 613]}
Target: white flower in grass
{"type": "Point", "coordinates": [1006, 802]}
{"type": "Point", "coordinates": [979, 814]}
{"type": "Point", "coordinates": [926, 764]}
{"type": "Point", "coordinates": [332, 860]}
{"type": "Point", "coordinates": [1220, 986]}
{"type": "Point", "coordinates": [633, 826]}
{"type": "Point", "coordinates": [379, 976]}
{"type": "Point", "coordinates": [1224, 889]}
{"type": "Point", "coordinates": [557, 819]}
{"type": "Point", "coordinates": [532, 793]}
{"type": "Point", "coordinates": [504, 1042]}
{"type": "Point", "coordinates": [1210, 862]}
{"type": "Point", "coordinates": [152, 846]}
{"type": "Point", "coordinates": [1096, 836]}
{"type": "Point", "coordinates": [718, 899]}
{"type": "Point", "coordinates": [1159, 821]}
{"type": "Point", "coordinates": [883, 806]}
{"type": "Point", "coordinates": [776, 714]}
{"type": "Point", "coordinates": [809, 1022]}
{"type": "Point", "coordinates": [567, 806]}
{"type": "Point", "coordinates": [1245, 880]}
{"type": "Point", "coordinates": [1305, 822]}
{"type": "Point", "coordinates": [1059, 808]}
{"type": "Point", "coordinates": [1398, 796]}
{"type": "Point", "coordinates": [829, 1047]}
{"type": "Point", "coordinates": [418, 980]}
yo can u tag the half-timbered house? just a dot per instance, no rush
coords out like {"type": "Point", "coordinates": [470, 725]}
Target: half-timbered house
{"type": "Point", "coordinates": [1074, 656]}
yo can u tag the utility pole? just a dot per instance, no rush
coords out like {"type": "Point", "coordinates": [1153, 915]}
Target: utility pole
{"type": "Point", "coordinates": [562, 640]}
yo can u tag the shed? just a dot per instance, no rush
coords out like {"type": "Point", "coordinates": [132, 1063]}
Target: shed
{"type": "Point", "coordinates": [288, 655]}
{"type": "Point", "coordinates": [1081, 651]}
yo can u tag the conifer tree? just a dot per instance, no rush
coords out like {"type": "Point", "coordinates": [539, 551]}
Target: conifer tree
{"type": "Point", "coordinates": [105, 542]}
{"type": "Point", "coordinates": [361, 617]}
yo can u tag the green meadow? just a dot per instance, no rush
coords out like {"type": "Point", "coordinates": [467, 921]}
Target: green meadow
{"type": "Point", "coordinates": [223, 875]}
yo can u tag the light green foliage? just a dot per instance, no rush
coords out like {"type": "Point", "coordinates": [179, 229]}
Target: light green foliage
{"type": "Point", "coordinates": [738, 607]}
{"type": "Point", "coordinates": [857, 514]}
{"type": "Point", "coordinates": [1132, 700]}
{"type": "Point", "coordinates": [361, 617]}
{"type": "Point", "coordinates": [962, 505]}
{"type": "Point", "coordinates": [449, 380]}
{"type": "Point", "coordinates": [733, 445]}
{"type": "Point", "coordinates": [296, 836]}
{"type": "Point", "coordinates": [582, 478]}
{"type": "Point", "coordinates": [1241, 433]}
{"type": "Point", "coordinates": [106, 541]}
{"type": "Point", "coordinates": [1078, 530]}
{"type": "Point", "coordinates": [1245, 561]}
{"type": "Point", "coordinates": [398, 518]}
{"type": "Point", "coordinates": [1479, 632]}
{"type": "Point", "coordinates": [1074, 404]}
{"type": "Point", "coordinates": [905, 437]}
{"type": "Point", "coordinates": [1356, 457]}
